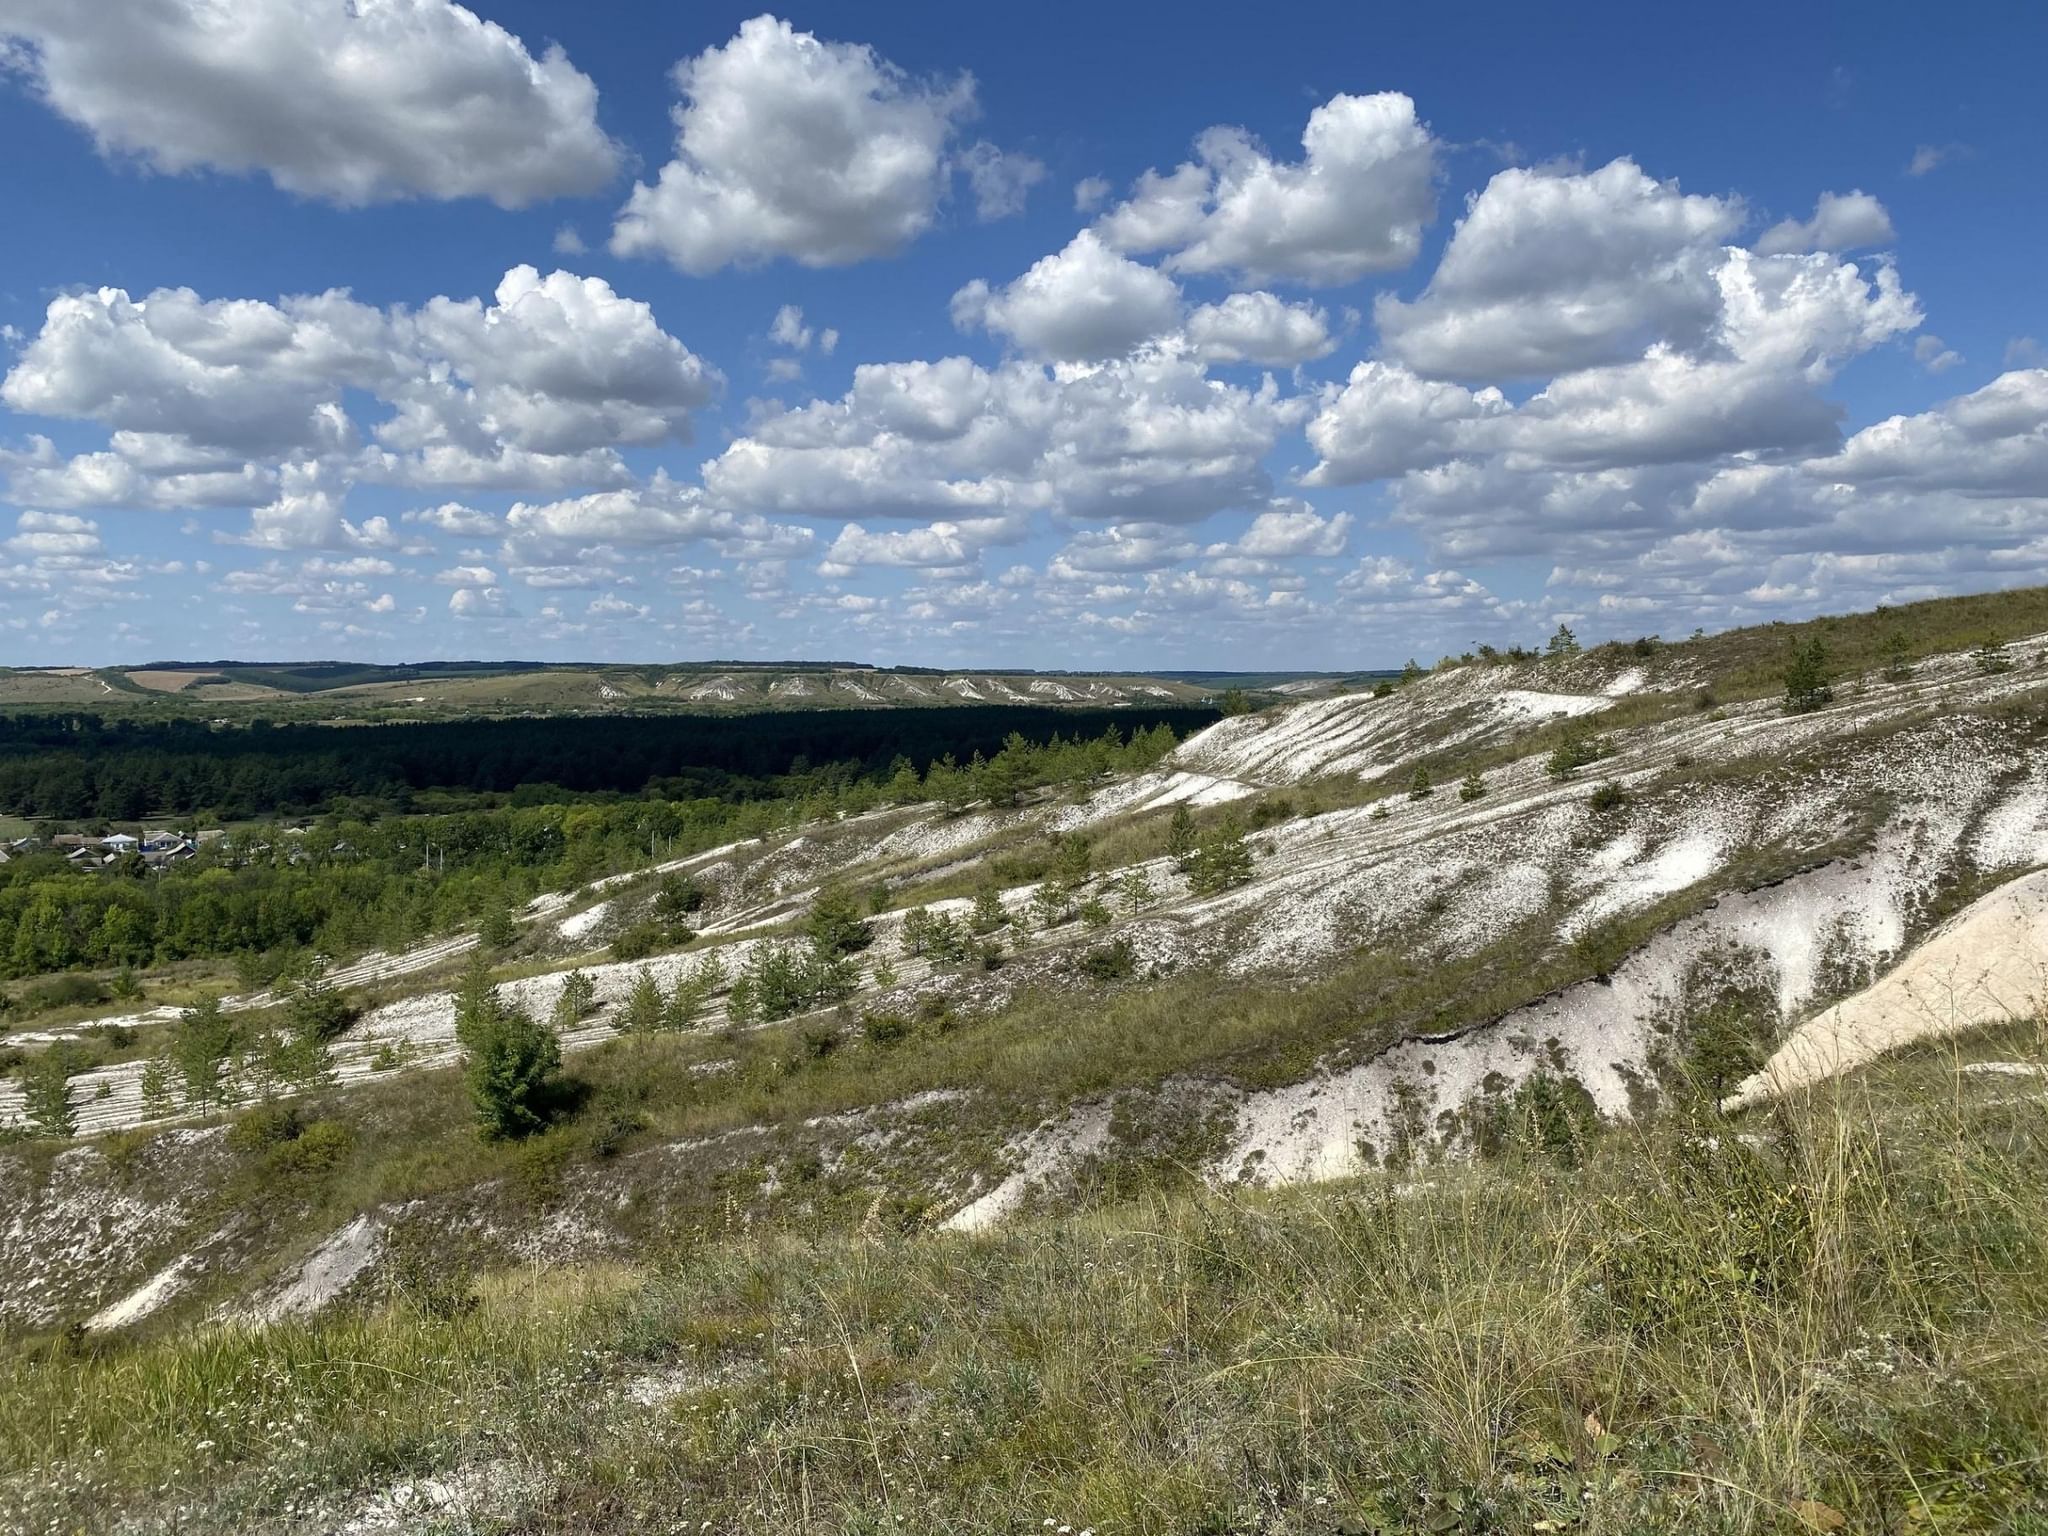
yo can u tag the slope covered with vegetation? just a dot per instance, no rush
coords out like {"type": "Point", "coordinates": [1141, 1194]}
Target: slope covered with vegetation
{"type": "Point", "coordinates": [1356, 1117]}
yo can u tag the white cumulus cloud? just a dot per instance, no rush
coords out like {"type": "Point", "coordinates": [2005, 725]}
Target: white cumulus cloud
{"type": "Point", "coordinates": [1842, 221]}
{"type": "Point", "coordinates": [786, 146]}
{"type": "Point", "coordinates": [356, 103]}
{"type": "Point", "coordinates": [1354, 204]}
{"type": "Point", "coordinates": [1083, 303]}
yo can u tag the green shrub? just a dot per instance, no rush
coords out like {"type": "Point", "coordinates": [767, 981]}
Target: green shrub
{"type": "Point", "coordinates": [1114, 961]}
{"type": "Point", "coordinates": [1577, 750]}
{"type": "Point", "coordinates": [613, 1118]}
{"type": "Point", "coordinates": [314, 1152]}
{"type": "Point", "coordinates": [885, 1027]}
{"type": "Point", "coordinates": [68, 991]}
{"type": "Point", "coordinates": [265, 1126]}
{"type": "Point", "coordinates": [639, 940]}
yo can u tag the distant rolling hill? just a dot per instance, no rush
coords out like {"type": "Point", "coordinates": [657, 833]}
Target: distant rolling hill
{"type": "Point", "coordinates": [440, 688]}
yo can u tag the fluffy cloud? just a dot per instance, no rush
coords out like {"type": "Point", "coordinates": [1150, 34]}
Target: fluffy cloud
{"type": "Point", "coordinates": [1145, 439]}
{"type": "Point", "coordinates": [56, 556]}
{"type": "Point", "coordinates": [1548, 272]}
{"type": "Point", "coordinates": [1000, 180]}
{"type": "Point", "coordinates": [1080, 304]}
{"type": "Point", "coordinates": [1387, 420]}
{"type": "Point", "coordinates": [822, 152]}
{"type": "Point", "coordinates": [938, 546]}
{"type": "Point", "coordinates": [661, 512]}
{"type": "Point", "coordinates": [308, 514]}
{"type": "Point", "coordinates": [1122, 547]}
{"type": "Point", "coordinates": [1992, 442]}
{"type": "Point", "coordinates": [1386, 587]}
{"type": "Point", "coordinates": [453, 517]}
{"type": "Point", "coordinates": [139, 470]}
{"type": "Point", "coordinates": [535, 389]}
{"type": "Point", "coordinates": [1782, 326]}
{"type": "Point", "coordinates": [480, 603]}
{"type": "Point", "coordinates": [356, 103]}
{"type": "Point", "coordinates": [558, 367]}
{"type": "Point", "coordinates": [1291, 530]}
{"type": "Point", "coordinates": [232, 374]}
{"type": "Point", "coordinates": [1259, 328]}
{"type": "Point", "coordinates": [47, 534]}
{"type": "Point", "coordinates": [1934, 354]}
{"type": "Point", "coordinates": [1842, 221]}
{"type": "Point", "coordinates": [1356, 203]}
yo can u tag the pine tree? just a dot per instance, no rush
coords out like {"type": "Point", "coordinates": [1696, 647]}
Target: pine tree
{"type": "Point", "coordinates": [574, 1002]}
{"type": "Point", "coordinates": [1223, 861]}
{"type": "Point", "coordinates": [989, 912]}
{"type": "Point", "coordinates": [1071, 858]}
{"type": "Point", "coordinates": [675, 901]}
{"type": "Point", "coordinates": [204, 1043]}
{"type": "Point", "coordinates": [509, 1065]}
{"type": "Point", "coordinates": [1474, 787]}
{"type": "Point", "coordinates": [315, 1011]}
{"type": "Point", "coordinates": [46, 1091]}
{"type": "Point", "coordinates": [498, 928]}
{"type": "Point", "coordinates": [476, 998]}
{"type": "Point", "coordinates": [835, 924]}
{"type": "Point", "coordinates": [643, 1005]}
{"type": "Point", "coordinates": [1135, 890]}
{"type": "Point", "coordinates": [157, 1101]}
{"type": "Point", "coordinates": [692, 991]}
{"type": "Point", "coordinates": [1564, 644]}
{"type": "Point", "coordinates": [1806, 678]}
{"type": "Point", "coordinates": [1005, 776]}
{"type": "Point", "coordinates": [917, 930]}
{"type": "Point", "coordinates": [1052, 903]}
{"type": "Point", "coordinates": [1180, 837]}
{"type": "Point", "coordinates": [1419, 787]}
{"type": "Point", "coordinates": [905, 787]}
{"type": "Point", "coordinates": [1898, 656]}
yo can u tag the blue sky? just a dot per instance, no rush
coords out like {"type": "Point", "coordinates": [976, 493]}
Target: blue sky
{"type": "Point", "coordinates": [1069, 336]}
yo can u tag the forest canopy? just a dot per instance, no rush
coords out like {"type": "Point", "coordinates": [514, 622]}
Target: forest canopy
{"type": "Point", "coordinates": [78, 766]}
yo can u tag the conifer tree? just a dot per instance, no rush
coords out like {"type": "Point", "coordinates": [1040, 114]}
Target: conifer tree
{"type": "Point", "coordinates": [509, 1059]}
{"type": "Point", "coordinates": [1223, 861]}
{"type": "Point", "coordinates": [1180, 837]}
{"type": "Point", "coordinates": [989, 912]}
{"type": "Point", "coordinates": [1806, 678]}
{"type": "Point", "coordinates": [46, 1091]}
{"type": "Point", "coordinates": [643, 1005]}
{"type": "Point", "coordinates": [157, 1100]}
{"type": "Point", "coordinates": [202, 1046]}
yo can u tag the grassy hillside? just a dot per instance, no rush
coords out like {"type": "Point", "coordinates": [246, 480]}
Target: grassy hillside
{"type": "Point", "coordinates": [1828, 1321]}
{"type": "Point", "coordinates": [1312, 1130]}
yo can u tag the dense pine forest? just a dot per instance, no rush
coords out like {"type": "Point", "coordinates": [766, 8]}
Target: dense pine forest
{"type": "Point", "coordinates": [80, 765]}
